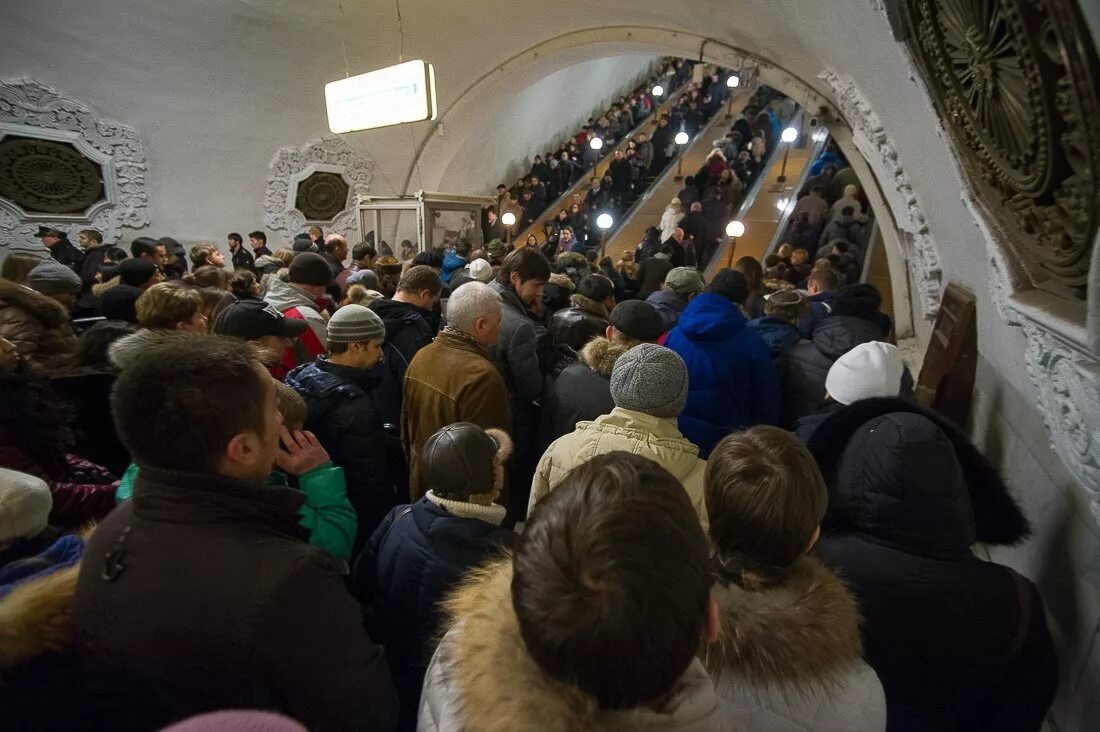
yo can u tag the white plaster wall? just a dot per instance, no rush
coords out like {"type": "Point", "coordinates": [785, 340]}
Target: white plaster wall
{"type": "Point", "coordinates": [215, 86]}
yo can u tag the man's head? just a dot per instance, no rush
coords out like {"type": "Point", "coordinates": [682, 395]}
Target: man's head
{"type": "Point", "coordinates": [678, 235]}
{"type": "Point", "coordinates": [310, 272]}
{"type": "Point", "coordinates": [257, 239]}
{"type": "Point", "coordinates": [255, 320]}
{"type": "Point", "coordinates": [731, 285]}
{"type": "Point", "coordinates": [610, 582]}
{"type": "Point", "coordinates": [90, 238]}
{"type": "Point", "coordinates": [171, 306]}
{"type": "Point", "coordinates": [355, 337]}
{"type": "Point", "coordinates": [364, 254]}
{"type": "Point", "coordinates": [213, 391]}
{"type": "Point", "coordinates": [502, 189]}
{"type": "Point", "coordinates": [475, 309]}
{"type": "Point", "coordinates": [55, 281]}
{"type": "Point", "coordinates": [822, 279]}
{"type": "Point", "coordinates": [598, 288]}
{"type": "Point", "coordinates": [420, 286]}
{"type": "Point", "coordinates": [50, 236]}
{"type": "Point", "coordinates": [207, 255]}
{"type": "Point", "coordinates": [650, 379]}
{"type": "Point", "coordinates": [765, 498]}
{"type": "Point", "coordinates": [337, 247]}
{"type": "Point", "coordinates": [634, 322]}
{"type": "Point", "coordinates": [145, 247]}
{"type": "Point", "coordinates": [684, 281]}
{"type": "Point", "coordinates": [463, 462]}
{"type": "Point", "coordinates": [566, 233]}
{"type": "Point", "coordinates": [234, 240]}
{"type": "Point", "coordinates": [526, 271]}
{"type": "Point", "coordinates": [697, 207]}
{"type": "Point", "coordinates": [140, 273]}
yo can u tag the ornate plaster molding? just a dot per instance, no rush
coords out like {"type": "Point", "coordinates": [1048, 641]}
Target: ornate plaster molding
{"type": "Point", "coordinates": [870, 137]}
{"type": "Point", "coordinates": [291, 165]}
{"type": "Point", "coordinates": [33, 109]}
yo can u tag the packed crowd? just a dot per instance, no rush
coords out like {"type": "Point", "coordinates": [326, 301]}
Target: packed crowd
{"type": "Point", "coordinates": [485, 490]}
{"type": "Point", "coordinates": [635, 166]}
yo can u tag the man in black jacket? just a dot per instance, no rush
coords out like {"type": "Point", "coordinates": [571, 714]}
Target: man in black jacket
{"type": "Point", "coordinates": [61, 249]}
{"type": "Point", "coordinates": [242, 258]}
{"type": "Point", "coordinates": [203, 595]}
{"type": "Point", "coordinates": [337, 388]}
{"type": "Point", "coordinates": [409, 322]}
{"type": "Point", "coordinates": [583, 390]}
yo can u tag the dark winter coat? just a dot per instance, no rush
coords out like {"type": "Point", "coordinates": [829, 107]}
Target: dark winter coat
{"type": "Point", "coordinates": [243, 259]}
{"type": "Point", "coordinates": [651, 275]}
{"type": "Point", "coordinates": [670, 306]}
{"type": "Point", "coordinates": [68, 254]}
{"type": "Point", "coordinates": [577, 325]}
{"type": "Point", "coordinates": [412, 562]}
{"type": "Point", "coordinates": [803, 367]}
{"type": "Point", "coordinates": [959, 643]}
{"type": "Point", "coordinates": [89, 268]}
{"type": "Point", "coordinates": [345, 420]}
{"type": "Point", "coordinates": [731, 379]}
{"type": "Point", "coordinates": [778, 334]}
{"type": "Point", "coordinates": [522, 346]}
{"type": "Point", "coordinates": [408, 329]}
{"type": "Point", "coordinates": [37, 325]}
{"type": "Point", "coordinates": [581, 392]}
{"type": "Point", "coordinates": [88, 394]}
{"type": "Point", "coordinates": [204, 596]}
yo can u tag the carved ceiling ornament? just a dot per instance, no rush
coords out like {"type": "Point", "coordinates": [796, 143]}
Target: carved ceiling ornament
{"type": "Point", "coordinates": [52, 150]}
{"type": "Point", "coordinates": [1017, 84]}
{"type": "Point", "coordinates": [870, 137]}
{"type": "Point", "coordinates": [321, 162]}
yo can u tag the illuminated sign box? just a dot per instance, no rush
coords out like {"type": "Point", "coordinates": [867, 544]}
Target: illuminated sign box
{"type": "Point", "coordinates": [389, 96]}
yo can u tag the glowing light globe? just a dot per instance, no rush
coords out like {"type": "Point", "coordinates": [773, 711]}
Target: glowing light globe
{"type": "Point", "coordinates": [596, 143]}
{"type": "Point", "coordinates": [658, 91]}
{"type": "Point", "coordinates": [508, 219]}
{"type": "Point", "coordinates": [733, 81]}
{"type": "Point", "coordinates": [604, 221]}
{"type": "Point", "coordinates": [681, 138]}
{"type": "Point", "coordinates": [790, 134]}
{"type": "Point", "coordinates": [735, 229]}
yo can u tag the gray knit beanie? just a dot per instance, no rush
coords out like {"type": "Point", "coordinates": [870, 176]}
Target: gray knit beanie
{"type": "Point", "coordinates": [650, 379]}
{"type": "Point", "coordinates": [355, 324]}
{"type": "Point", "coordinates": [53, 278]}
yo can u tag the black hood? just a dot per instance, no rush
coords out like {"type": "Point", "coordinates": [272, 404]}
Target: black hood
{"type": "Point", "coordinates": [858, 301]}
{"type": "Point", "coordinates": [398, 315]}
{"type": "Point", "coordinates": [908, 476]}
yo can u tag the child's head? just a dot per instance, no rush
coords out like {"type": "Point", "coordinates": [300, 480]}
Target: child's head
{"type": "Point", "coordinates": [291, 405]}
{"type": "Point", "coordinates": [765, 498]}
{"type": "Point", "coordinates": [610, 582]}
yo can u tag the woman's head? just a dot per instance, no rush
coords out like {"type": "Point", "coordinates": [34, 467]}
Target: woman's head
{"type": "Point", "coordinates": [171, 306]}
{"type": "Point", "coordinates": [532, 241]}
{"type": "Point", "coordinates": [753, 272]}
{"type": "Point", "coordinates": [214, 300]}
{"type": "Point", "coordinates": [243, 284]}
{"type": "Point", "coordinates": [92, 345]}
{"type": "Point", "coordinates": [208, 276]}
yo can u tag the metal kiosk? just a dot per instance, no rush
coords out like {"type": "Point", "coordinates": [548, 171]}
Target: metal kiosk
{"type": "Point", "coordinates": [421, 222]}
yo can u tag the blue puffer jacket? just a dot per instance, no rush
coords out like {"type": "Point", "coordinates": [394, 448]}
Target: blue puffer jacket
{"type": "Point", "coordinates": [416, 556]}
{"type": "Point", "coordinates": [731, 380]}
{"type": "Point", "coordinates": [777, 333]}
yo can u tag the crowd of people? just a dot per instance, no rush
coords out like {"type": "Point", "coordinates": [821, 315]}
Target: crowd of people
{"type": "Point", "coordinates": [635, 166]}
{"type": "Point", "coordinates": [488, 490]}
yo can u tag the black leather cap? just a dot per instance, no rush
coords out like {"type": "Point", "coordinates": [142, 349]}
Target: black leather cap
{"type": "Point", "coordinates": [457, 461]}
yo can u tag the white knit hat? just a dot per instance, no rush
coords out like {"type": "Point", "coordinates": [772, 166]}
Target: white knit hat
{"type": "Point", "coordinates": [25, 503]}
{"type": "Point", "coordinates": [480, 270]}
{"type": "Point", "coordinates": [869, 370]}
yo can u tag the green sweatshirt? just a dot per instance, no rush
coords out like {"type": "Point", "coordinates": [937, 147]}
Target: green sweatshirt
{"type": "Point", "coordinates": [327, 513]}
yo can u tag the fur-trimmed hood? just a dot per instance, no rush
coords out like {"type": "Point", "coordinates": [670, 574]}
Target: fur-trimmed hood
{"type": "Point", "coordinates": [123, 352]}
{"type": "Point", "coordinates": [45, 309]}
{"type": "Point", "coordinates": [997, 518]}
{"type": "Point", "coordinates": [600, 355]}
{"type": "Point", "coordinates": [37, 617]}
{"type": "Point", "coordinates": [802, 635]}
{"type": "Point", "coordinates": [562, 280]}
{"type": "Point", "coordinates": [588, 305]}
{"type": "Point", "coordinates": [496, 687]}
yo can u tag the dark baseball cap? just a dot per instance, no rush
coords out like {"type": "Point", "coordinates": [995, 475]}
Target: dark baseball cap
{"type": "Point", "coordinates": [252, 319]}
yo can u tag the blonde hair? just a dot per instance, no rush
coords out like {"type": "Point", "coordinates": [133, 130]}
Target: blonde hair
{"type": "Point", "coordinates": [800, 256]}
{"type": "Point", "coordinates": [784, 251]}
{"type": "Point", "coordinates": [284, 255]}
{"type": "Point", "coordinates": [316, 230]}
{"type": "Point", "coordinates": [167, 304]}
{"type": "Point", "coordinates": [360, 295]}
{"type": "Point", "coordinates": [291, 405]}
{"type": "Point", "coordinates": [201, 252]}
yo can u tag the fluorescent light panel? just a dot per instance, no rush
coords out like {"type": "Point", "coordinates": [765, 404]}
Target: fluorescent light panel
{"type": "Point", "coordinates": [390, 96]}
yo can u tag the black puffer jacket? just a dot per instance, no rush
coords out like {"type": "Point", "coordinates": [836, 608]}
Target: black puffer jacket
{"type": "Point", "coordinates": [349, 426]}
{"type": "Point", "coordinates": [408, 329]}
{"type": "Point", "coordinates": [803, 367]}
{"type": "Point", "coordinates": [959, 643]}
{"type": "Point", "coordinates": [581, 392]}
{"type": "Point", "coordinates": [577, 325]}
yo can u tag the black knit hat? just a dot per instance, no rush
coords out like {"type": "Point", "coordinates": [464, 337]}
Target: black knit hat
{"type": "Point", "coordinates": [637, 319]}
{"type": "Point", "coordinates": [136, 272]}
{"type": "Point", "coordinates": [731, 285]}
{"type": "Point", "coordinates": [308, 268]}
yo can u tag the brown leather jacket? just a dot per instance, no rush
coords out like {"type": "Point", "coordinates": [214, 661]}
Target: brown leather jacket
{"type": "Point", "coordinates": [36, 324]}
{"type": "Point", "coordinates": [448, 381]}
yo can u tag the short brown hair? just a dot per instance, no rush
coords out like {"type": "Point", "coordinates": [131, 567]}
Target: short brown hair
{"type": "Point", "coordinates": [92, 234]}
{"type": "Point", "coordinates": [765, 498]}
{"type": "Point", "coordinates": [291, 405]}
{"type": "Point", "coordinates": [243, 283]}
{"type": "Point", "coordinates": [825, 278]}
{"type": "Point", "coordinates": [419, 278]}
{"type": "Point", "coordinates": [610, 581]}
{"type": "Point", "coordinates": [208, 276]}
{"type": "Point", "coordinates": [167, 304]}
{"type": "Point", "coordinates": [528, 263]}
{"type": "Point", "coordinates": [214, 301]}
{"type": "Point", "coordinates": [206, 388]}
{"type": "Point", "coordinates": [202, 252]}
